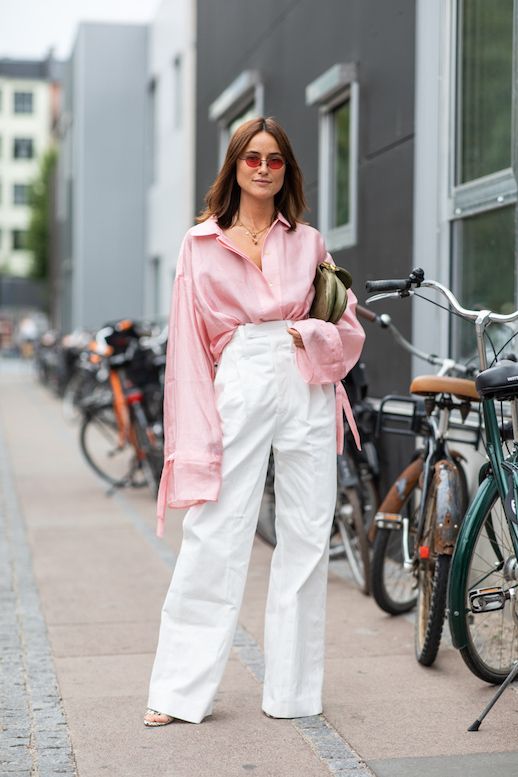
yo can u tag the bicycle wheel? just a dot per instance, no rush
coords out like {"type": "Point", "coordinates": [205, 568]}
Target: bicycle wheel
{"type": "Point", "coordinates": [492, 637]}
{"type": "Point", "coordinates": [431, 607]}
{"type": "Point", "coordinates": [349, 521]}
{"type": "Point", "coordinates": [80, 388]}
{"type": "Point", "coordinates": [394, 588]}
{"type": "Point", "coordinates": [100, 443]}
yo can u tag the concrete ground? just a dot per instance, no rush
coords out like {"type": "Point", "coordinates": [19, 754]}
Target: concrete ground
{"type": "Point", "coordinates": [82, 579]}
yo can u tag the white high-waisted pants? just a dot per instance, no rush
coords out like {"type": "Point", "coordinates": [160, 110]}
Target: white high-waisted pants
{"type": "Point", "coordinates": [263, 401]}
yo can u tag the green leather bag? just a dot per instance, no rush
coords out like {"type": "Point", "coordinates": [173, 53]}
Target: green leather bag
{"type": "Point", "coordinates": [331, 284]}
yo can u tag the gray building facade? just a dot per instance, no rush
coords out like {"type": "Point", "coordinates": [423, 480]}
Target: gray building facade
{"type": "Point", "coordinates": [102, 178]}
{"type": "Point", "coordinates": [339, 76]}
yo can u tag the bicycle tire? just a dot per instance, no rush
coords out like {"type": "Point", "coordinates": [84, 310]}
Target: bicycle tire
{"type": "Point", "coordinates": [491, 638]}
{"type": "Point", "coordinates": [431, 607]}
{"type": "Point", "coordinates": [100, 445]}
{"type": "Point", "coordinates": [79, 388]}
{"type": "Point", "coordinates": [393, 588]}
{"type": "Point", "coordinates": [433, 569]}
{"type": "Point", "coordinates": [350, 522]}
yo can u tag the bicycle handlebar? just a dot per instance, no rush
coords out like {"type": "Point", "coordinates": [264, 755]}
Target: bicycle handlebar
{"type": "Point", "coordinates": [446, 365]}
{"type": "Point", "coordinates": [365, 313]}
{"type": "Point", "coordinates": [416, 278]}
{"type": "Point", "coordinates": [403, 284]}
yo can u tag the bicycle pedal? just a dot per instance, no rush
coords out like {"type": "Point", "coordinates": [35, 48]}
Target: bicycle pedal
{"type": "Point", "coordinates": [388, 520]}
{"type": "Point", "coordinates": [488, 599]}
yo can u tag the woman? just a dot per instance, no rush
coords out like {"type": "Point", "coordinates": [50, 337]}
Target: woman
{"type": "Point", "coordinates": [243, 289]}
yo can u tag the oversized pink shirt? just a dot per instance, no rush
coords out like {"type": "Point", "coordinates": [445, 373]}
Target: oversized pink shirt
{"type": "Point", "coordinates": [217, 288]}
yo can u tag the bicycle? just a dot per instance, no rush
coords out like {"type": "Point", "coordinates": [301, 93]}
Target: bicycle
{"type": "Point", "coordinates": [121, 435]}
{"type": "Point", "coordinates": [483, 584]}
{"type": "Point", "coordinates": [392, 583]}
{"type": "Point", "coordinates": [417, 523]}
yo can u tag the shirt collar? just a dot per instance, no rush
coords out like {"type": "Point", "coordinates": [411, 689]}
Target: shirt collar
{"type": "Point", "coordinates": [211, 227]}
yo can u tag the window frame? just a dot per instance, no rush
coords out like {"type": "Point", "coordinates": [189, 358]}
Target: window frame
{"type": "Point", "coordinates": [178, 90]}
{"type": "Point", "coordinates": [486, 193]}
{"type": "Point", "coordinates": [17, 188]}
{"type": "Point", "coordinates": [246, 90]}
{"type": "Point", "coordinates": [26, 140]}
{"type": "Point", "coordinates": [19, 93]}
{"type": "Point", "coordinates": [497, 189]}
{"type": "Point", "coordinates": [336, 86]}
{"type": "Point", "coordinates": [14, 233]}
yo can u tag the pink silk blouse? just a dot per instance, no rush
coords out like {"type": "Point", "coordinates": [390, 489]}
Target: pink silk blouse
{"type": "Point", "coordinates": [217, 288]}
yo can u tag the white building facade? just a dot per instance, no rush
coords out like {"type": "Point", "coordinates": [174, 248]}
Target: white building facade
{"type": "Point", "coordinates": [171, 142]}
{"type": "Point", "coordinates": [29, 93]}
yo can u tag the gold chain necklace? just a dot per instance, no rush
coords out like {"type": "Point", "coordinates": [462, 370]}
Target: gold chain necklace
{"type": "Point", "coordinates": [254, 236]}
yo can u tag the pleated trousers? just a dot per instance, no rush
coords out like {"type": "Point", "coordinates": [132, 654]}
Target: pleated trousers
{"type": "Point", "coordinates": [263, 403]}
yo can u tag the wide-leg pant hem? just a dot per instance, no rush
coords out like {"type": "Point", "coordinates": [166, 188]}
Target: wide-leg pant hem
{"type": "Point", "coordinates": [177, 708]}
{"type": "Point", "coordinates": [295, 708]}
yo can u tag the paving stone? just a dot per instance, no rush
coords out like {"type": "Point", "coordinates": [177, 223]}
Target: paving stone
{"type": "Point", "coordinates": [34, 739]}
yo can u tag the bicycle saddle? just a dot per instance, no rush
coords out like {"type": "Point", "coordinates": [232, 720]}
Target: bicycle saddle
{"type": "Point", "coordinates": [500, 381]}
{"type": "Point", "coordinates": [441, 384]}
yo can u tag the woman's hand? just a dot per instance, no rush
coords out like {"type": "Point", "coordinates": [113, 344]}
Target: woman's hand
{"type": "Point", "coordinates": [297, 339]}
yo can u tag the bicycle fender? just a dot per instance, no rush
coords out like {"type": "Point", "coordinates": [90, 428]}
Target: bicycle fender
{"type": "Point", "coordinates": [456, 604]}
{"type": "Point", "coordinates": [398, 493]}
{"type": "Point", "coordinates": [448, 506]}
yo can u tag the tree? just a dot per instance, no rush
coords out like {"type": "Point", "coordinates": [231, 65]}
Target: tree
{"type": "Point", "coordinates": [38, 236]}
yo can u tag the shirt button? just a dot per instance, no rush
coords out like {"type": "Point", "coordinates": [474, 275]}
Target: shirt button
{"type": "Point", "coordinates": [270, 284]}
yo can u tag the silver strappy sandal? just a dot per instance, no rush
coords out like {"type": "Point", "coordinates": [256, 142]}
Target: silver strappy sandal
{"type": "Point", "coordinates": [155, 723]}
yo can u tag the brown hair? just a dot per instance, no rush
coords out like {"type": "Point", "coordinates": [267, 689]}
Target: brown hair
{"type": "Point", "coordinates": [222, 199]}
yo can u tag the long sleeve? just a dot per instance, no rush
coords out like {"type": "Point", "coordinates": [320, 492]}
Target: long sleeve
{"type": "Point", "coordinates": [192, 428]}
{"type": "Point", "coordinates": [330, 350]}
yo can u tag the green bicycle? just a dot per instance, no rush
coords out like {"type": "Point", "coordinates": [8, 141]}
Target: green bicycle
{"type": "Point", "coordinates": [483, 582]}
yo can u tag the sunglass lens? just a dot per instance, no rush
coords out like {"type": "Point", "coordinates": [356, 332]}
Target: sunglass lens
{"type": "Point", "coordinates": [275, 163]}
{"type": "Point", "coordinates": [253, 161]}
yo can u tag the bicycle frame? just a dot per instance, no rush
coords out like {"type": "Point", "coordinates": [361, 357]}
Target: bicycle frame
{"type": "Point", "coordinates": [494, 483]}
{"type": "Point", "coordinates": [434, 465]}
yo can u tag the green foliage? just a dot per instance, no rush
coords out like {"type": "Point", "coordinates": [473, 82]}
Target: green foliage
{"type": "Point", "coordinates": [38, 237]}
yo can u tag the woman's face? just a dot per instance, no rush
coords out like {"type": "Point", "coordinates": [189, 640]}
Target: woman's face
{"type": "Point", "coordinates": [261, 182]}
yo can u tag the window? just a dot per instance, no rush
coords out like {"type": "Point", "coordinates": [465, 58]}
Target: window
{"type": "Point", "coordinates": [177, 91]}
{"type": "Point", "coordinates": [23, 148]}
{"type": "Point", "coordinates": [242, 100]}
{"type": "Point", "coordinates": [21, 194]}
{"type": "Point", "coordinates": [336, 93]}
{"type": "Point", "coordinates": [152, 128]}
{"type": "Point", "coordinates": [485, 57]}
{"type": "Point", "coordinates": [155, 286]}
{"type": "Point", "coordinates": [19, 239]}
{"type": "Point", "coordinates": [483, 188]}
{"type": "Point", "coordinates": [23, 102]}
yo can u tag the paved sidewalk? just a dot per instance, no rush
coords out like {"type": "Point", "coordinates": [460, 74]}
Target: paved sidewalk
{"type": "Point", "coordinates": [82, 579]}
